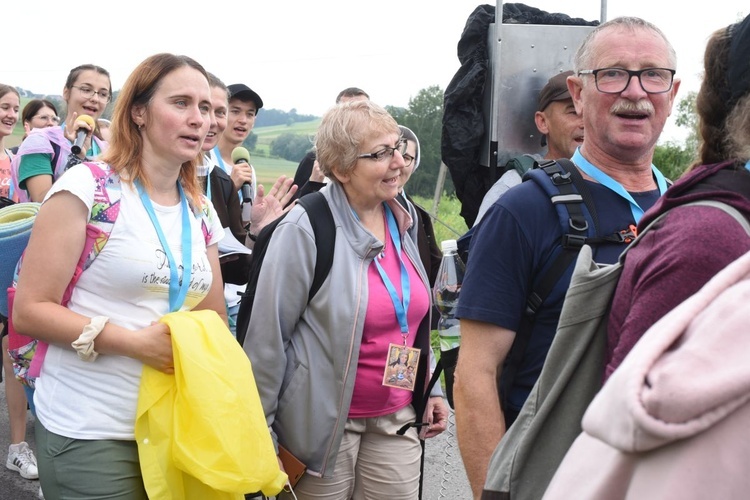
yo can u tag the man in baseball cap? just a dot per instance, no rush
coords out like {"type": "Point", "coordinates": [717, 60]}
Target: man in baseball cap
{"type": "Point", "coordinates": [562, 133]}
{"type": "Point", "coordinates": [557, 120]}
{"type": "Point", "coordinates": [243, 107]}
{"type": "Point", "coordinates": [244, 93]}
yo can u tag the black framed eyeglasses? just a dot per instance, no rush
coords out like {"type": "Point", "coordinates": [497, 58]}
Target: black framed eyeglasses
{"type": "Point", "coordinates": [386, 152]}
{"type": "Point", "coordinates": [616, 80]}
{"type": "Point", "coordinates": [88, 92]}
{"type": "Point", "coordinates": [408, 159]}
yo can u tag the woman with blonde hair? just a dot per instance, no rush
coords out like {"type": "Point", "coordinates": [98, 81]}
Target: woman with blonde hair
{"type": "Point", "coordinates": [321, 365]}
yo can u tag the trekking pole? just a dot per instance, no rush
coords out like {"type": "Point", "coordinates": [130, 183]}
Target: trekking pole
{"type": "Point", "coordinates": [434, 217]}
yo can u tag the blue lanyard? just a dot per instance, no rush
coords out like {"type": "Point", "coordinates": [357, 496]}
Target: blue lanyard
{"type": "Point", "coordinates": [208, 176]}
{"type": "Point", "coordinates": [177, 289]}
{"type": "Point", "coordinates": [608, 182]}
{"type": "Point", "coordinates": [400, 306]}
{"type": "Point", "coordinates": [747, 165]}
{"type": "Point", "coordinates": [217, 154]}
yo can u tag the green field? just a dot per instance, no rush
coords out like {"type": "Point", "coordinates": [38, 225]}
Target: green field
{"type": "Point", "coordinates": [269, 168]}
{"type": "Point", "coordinates": [448, 225]}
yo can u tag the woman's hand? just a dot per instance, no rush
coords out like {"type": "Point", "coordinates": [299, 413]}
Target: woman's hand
{"type": "Point", "coordinates": [154, 347]}
{"type": "Point", "coordinates": [436, 415]}
{"type": "Point", "coordinates": [71, 133]}
{"type": "Point", "coordinates": [267, 208]}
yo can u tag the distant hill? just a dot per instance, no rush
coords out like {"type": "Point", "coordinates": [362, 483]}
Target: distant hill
{"type": "Point", "coordinates": [289, 121]}
{"type": "Point", "coordinates": [271, 117]}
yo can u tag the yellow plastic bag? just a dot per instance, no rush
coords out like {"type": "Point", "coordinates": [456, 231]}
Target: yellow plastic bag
{"type": "Point", "coordinates": [202, 432]}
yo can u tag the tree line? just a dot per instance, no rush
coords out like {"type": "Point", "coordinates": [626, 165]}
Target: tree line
{"type": "Point", "coordinates": [424, 115]}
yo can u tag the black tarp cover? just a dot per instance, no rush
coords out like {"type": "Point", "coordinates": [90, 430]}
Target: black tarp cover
{"type": "Point", "coordinates": [463, 104]}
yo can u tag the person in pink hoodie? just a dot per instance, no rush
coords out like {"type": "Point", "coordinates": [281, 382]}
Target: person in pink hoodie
{"type": "Point", "coordinates": [670, 422]}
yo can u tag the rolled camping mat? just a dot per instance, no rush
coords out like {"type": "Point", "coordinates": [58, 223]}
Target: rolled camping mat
{"type": "Point", "coordinates": [15, 229]}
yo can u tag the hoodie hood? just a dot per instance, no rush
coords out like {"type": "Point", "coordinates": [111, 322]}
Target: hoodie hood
{"type": "Point", "coordinates": [687, 374]}
{"type": "Point", "coordinates": [727, 182]}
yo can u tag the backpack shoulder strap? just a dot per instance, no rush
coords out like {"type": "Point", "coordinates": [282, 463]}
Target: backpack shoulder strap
{"type": "Point", "coordinates": [738, 216]}
{"type": "Point", "coordinates": [522, 164]}
{"type": "Point", "coordinates": [203, 210]}
{"type": "Point", "coordinates": [324, 229]}
{"type": "Point", "coordinates": [104, 211]}
{"type": "Point", "coordinates": [55, 155]}
{"type": "Point", "coordinates": [561, 181]}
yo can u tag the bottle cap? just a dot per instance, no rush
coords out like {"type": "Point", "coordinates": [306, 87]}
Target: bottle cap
{"type": "Point", "coordinates": [449, 245]}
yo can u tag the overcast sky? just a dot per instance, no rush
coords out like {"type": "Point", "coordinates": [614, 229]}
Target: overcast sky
{"type": "Point", "coordinates": [300, 53]}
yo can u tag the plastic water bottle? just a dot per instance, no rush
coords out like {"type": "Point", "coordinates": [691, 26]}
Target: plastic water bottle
{"type": "Point", "coordinates": [446, 291]}
{"type": "Point", "coordinates": [447, 287]}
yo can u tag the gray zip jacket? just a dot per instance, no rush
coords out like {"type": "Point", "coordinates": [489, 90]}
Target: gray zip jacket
{"type": "Point", "coordinates": [304, 356]}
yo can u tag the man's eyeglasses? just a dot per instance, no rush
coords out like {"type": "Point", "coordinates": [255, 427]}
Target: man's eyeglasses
{"type": "Point", "coordinates": [386, 152]}
{"type": "Point", "coordinates": [616, 80]}
{"type": "Point", "coordinates": [87, 92]}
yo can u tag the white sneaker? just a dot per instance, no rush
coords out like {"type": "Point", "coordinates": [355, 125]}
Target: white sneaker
{"type": "Point", "coordinates": [22, 460]}
{"type": "Point", "coordinates": [40, 495]}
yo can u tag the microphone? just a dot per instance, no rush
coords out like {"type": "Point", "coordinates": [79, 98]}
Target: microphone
{"type": "Point", "coordinates": [242, 155]}
{"type": "Point", "coordinates": [81, 133]}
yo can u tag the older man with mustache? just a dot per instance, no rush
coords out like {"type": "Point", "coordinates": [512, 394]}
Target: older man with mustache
{"type": "Point", "coordinates": [624, 88]}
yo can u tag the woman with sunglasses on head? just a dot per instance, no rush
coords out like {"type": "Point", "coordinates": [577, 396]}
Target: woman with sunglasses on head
{"type": "Point", "coordinates": [46, 153]}
{"type": "Point", "coordinates": [321, 365]}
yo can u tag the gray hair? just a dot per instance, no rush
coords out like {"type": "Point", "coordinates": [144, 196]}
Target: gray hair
{"type": "Point", "coordinates": [584, 54]}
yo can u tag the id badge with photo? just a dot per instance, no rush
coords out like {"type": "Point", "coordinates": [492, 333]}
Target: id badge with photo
{"type": "Point", "coordinates": [401, 367]}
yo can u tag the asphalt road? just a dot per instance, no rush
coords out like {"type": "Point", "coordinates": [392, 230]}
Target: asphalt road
{"type": "Point", "coordinates": [444, 476]}
{"type": "Point", "coordinates": [12, 485]}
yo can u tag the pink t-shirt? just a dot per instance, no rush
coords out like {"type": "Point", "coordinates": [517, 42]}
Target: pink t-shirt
{"type": "Point", "coordinates": [371, 398]}
{"type": "Point", "coordinates": [5, 177]}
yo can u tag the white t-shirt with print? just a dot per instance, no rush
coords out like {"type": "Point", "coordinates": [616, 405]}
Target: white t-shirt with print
{"type": "Point", "coordinates": [129, 283]}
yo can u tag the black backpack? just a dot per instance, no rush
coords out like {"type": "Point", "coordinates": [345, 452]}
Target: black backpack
{"type": "Point", "coordinates": [324, 230]}
{"type": "Point", "coordinates": [567, 191]}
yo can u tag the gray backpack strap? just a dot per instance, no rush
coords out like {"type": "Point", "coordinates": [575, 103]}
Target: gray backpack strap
{"type": "Point", "coordinates": [531, 450]}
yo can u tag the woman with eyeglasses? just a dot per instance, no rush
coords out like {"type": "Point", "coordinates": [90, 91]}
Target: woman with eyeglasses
{"type": "Point", "coordinates": [38, 113]}
{"type": "Point", "coordinates": [321, 365]}
{"type": "Point", "coordinates": [46, 153]}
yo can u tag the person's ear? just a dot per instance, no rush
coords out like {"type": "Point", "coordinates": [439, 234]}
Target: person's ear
{"type": "Point", "coordinates": [673, 93]}
{"type": "Point", "coordinates": [540, 119]}
{"type": "Point", "coordinates": [137, 114]}
{"type": "Point", "coordinates": [343, 178]}
{"type": "Point", "coordinates": [575, 87]}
